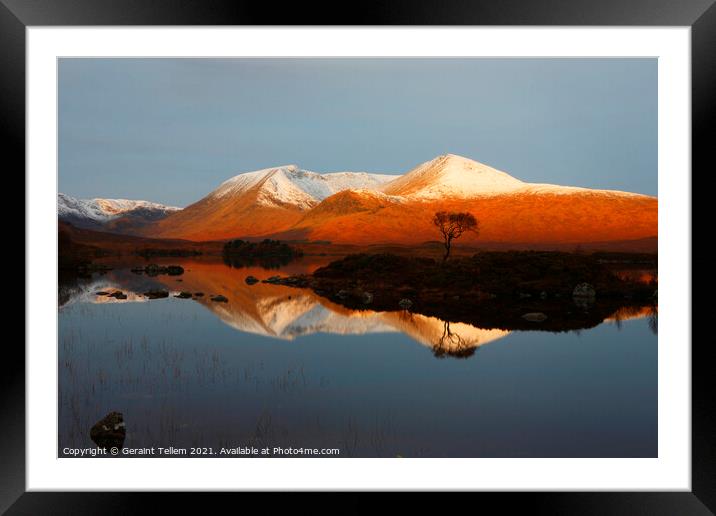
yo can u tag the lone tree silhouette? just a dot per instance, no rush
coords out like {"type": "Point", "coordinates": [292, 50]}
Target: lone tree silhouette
{"type": "Point", "coordinates": [453, 225]}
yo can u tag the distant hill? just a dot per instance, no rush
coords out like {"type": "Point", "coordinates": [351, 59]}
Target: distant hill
{"type": "Point", "coordinates": [120, 215]}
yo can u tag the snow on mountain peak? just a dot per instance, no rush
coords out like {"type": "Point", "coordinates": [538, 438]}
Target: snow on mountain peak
{"type": "Point", "coordinates": [451, 175]}
{"type": "Point", "coordinates": [103, 210]}
{"type": "Point", "coordinates": [288, 184]}
{"type": "Point", "coordinates": [446, 176]}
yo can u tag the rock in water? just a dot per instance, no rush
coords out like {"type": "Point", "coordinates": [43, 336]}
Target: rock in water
{"type": "Point", "coordinates": [156, 294]}
{"type": "Point", "coordinates": [220, 299]}
{"type": "Point", "coordinates": [534, 317]}
{"type": "Point", "coordinates": [251, 280]}
{"type": "Point", "coordinates": [109, 431]}
{"type": "Point", "coordinates": [183, 295]}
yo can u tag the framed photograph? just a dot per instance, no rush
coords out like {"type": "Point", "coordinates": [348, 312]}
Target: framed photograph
{"type": "Point", "coordinates": [417, 250]}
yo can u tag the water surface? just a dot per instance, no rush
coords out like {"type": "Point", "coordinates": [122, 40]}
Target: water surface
{"type": "Point", "coordinates": [277, 366]}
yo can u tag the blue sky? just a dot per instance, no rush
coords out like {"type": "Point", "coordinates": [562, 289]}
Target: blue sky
{"type": "Point", "coordinates": [170, 130]}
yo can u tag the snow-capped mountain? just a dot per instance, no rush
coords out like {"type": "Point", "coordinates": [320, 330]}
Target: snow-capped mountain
{"type": "Point", "coordinates": [97, 213]}
{"type": "Point", "coordinates": [260, 202]}
{"type": "Point", "coordinates": [290, 185]}
{"type": "Point", "coordinates": [452, 176]}
{"type": "Point", "coordinates": [509, 210]}
{"type": "Point", "coordinates": [290, 203]}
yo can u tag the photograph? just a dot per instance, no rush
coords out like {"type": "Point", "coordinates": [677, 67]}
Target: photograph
{"type": "Point", "coordinates": [357, 257]}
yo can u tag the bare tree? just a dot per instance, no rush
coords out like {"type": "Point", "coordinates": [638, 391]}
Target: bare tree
{"type": "Point", "coordinates": [453, 225]}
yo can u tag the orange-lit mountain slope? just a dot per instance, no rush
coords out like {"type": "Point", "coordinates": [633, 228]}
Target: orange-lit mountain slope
{"type": "Point", "coordinates": [526, 217]}
{"type": "Point", "coordinates": [359, 208]}
{"type": "Point", "coordinates": [257, 203]}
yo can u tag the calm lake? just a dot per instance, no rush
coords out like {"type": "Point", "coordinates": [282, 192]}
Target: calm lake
{"type": "Point", "coordinates": [278, 366]}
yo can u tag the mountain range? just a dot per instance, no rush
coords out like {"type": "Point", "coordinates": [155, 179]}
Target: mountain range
{"type": "Point", "coordinates": [110, 214]}
{"type": "Point", "coordinates": [289, 203]}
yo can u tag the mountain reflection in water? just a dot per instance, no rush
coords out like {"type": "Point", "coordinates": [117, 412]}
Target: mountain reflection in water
{"type": "Point", "coordinates": [286, 313]}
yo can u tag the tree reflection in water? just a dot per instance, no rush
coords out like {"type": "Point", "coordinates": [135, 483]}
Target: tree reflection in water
{"type": "Point", "coordinates": [453, 345]}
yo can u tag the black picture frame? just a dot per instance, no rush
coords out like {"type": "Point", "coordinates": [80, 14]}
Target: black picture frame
{"type": "Point", "coordinates": [700, 15]}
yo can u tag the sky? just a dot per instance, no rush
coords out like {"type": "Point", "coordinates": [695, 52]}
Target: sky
{"type": "Point", "coordinates": [171, 130]}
